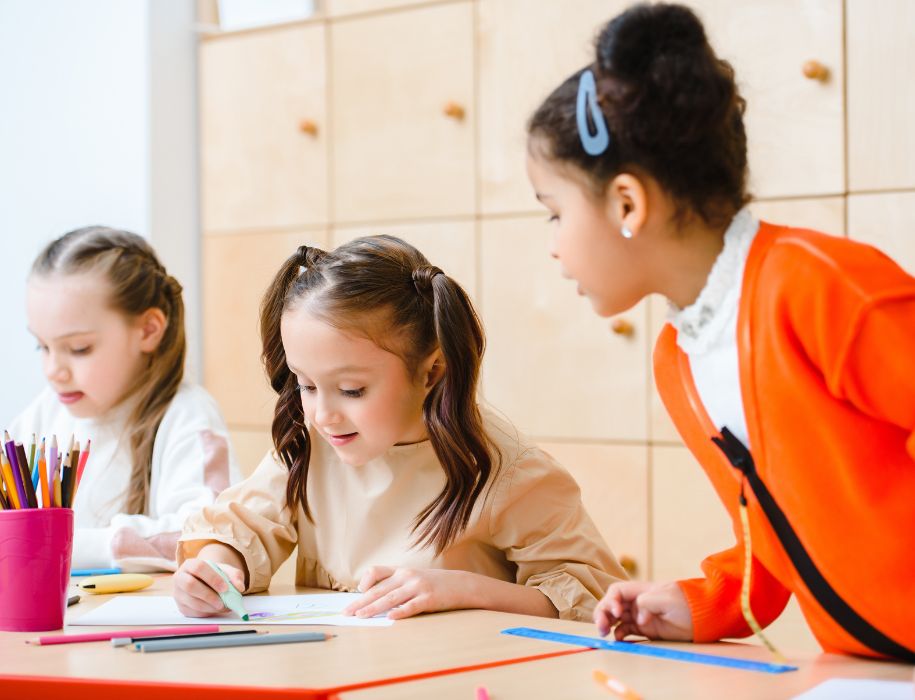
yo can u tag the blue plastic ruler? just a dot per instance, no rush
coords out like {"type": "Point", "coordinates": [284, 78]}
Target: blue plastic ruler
{"type": "Point", "coordinates": [649, 650]}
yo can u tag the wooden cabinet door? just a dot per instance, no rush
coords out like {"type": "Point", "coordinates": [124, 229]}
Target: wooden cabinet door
{"type": "Point", "coordinates": [688, 521]}
{"type": "Point", "coordinates": [885, 220]}
{"type": "Point", "coordinates": [258, 92]}
{"type": "Point", "coordinates": [554, 366]}
{"type": "Point", "coordinates": [526, 49]}
{"type": "Point", "coordinates": [795, 128]}
{"type": "Point", "coordinates": [237, 270]}
{"type": "Point", "coordinates": [614, 490]}
{"type": "Point", "coordinates": [397, 154]}
{"type": "Point", "coordinates": [881, 94]}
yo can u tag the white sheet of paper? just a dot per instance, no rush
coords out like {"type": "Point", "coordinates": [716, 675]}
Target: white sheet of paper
{"type": "Point", "coordinates": [858, 688]}
{"type": "Point", "coordinates": [308, 609]}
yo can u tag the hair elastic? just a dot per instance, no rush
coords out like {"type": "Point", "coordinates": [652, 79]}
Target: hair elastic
{"type": "Point", "coordinates": [596, 143]}
{"type": "Point", "coordinates": [423, 276]}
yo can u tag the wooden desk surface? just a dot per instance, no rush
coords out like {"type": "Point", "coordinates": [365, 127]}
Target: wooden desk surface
{"type": "Point", "coordinates": [414, 647]}
{"type": "Point", "coordinates": [355, 656]}
{"type": "Point", "coordinates": [570, 677]}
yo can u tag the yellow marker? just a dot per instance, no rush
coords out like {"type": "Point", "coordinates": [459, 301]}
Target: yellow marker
{"type": "Point", "coordinates": [116, 583]}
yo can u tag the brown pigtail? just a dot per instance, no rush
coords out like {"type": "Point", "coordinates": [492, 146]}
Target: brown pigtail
{"type": "Point", "coordinates": [452, 416]}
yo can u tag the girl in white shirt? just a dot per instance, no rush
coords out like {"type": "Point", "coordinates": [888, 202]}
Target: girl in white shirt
{"type": "Point", "coordinates": [109, 321]}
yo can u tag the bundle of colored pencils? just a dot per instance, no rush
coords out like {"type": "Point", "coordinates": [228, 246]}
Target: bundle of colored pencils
{"type": "Point", "coordinates": [21, 473]}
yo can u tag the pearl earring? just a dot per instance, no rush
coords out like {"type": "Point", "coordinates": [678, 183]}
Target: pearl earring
{"type": "Point", "coordinates": [626, 232]}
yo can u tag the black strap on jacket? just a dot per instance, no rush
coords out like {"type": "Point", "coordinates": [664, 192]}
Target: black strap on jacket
{"type": "Point", "coordinates": [840, 611]}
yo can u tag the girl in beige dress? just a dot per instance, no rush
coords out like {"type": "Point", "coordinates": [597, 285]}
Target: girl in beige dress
{"type": "Point", "coordinates": [387, 477]}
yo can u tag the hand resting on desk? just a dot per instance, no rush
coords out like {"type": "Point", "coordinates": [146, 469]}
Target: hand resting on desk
{"type": "Point", "coordinates": [653, 610]}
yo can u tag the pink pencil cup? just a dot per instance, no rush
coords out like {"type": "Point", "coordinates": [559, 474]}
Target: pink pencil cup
{"type": "Point", "coordinates": [35, 547]}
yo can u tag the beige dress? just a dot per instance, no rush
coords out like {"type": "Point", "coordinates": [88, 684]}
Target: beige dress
{"type": "Point", "coordinates": [528, 527]}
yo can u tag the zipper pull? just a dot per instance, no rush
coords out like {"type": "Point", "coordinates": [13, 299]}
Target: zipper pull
{"type": "Point", "coordinates": [736, 452]}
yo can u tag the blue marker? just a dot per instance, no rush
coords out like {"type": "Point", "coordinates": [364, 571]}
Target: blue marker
{"type": "Point", "coordinates": [94, 572]}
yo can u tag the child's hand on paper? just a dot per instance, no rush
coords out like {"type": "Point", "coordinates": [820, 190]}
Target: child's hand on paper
{"type": "Point", "coordinates": [196, 587]}
{"type": "Point", "coordinates": [407, 592]}
{"type": "Point", "coordinates": [653, 610]}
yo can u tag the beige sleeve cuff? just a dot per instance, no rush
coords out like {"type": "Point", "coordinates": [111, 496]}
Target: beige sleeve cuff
{"type": "Point", "coordinates": [252, 518]}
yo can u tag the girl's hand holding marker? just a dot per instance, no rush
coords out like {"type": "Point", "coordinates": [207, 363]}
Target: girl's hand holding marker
{"type": "Point", "coordinates": [203, 588]}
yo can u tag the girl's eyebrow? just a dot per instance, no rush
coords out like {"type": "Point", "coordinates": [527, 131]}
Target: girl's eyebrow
{"type": "Point", "coordinates": [65, 335]}
{"type": "Point", "coordinates": [346, 369]}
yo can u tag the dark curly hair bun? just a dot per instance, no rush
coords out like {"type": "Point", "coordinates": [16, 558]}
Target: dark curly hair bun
{"type": "Point", "coordinates": [672, 108]}
{"type": "Point", "coordinates": [629, 43]}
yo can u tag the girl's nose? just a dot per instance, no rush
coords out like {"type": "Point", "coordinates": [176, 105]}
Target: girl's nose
{"type": "Point", "coordinates": [56, 370]}
{"type": "Point", "coordinates": [326, 413]}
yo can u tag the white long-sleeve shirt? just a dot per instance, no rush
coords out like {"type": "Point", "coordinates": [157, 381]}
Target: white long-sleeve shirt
{"type": "Point", "coordinates": [707, 330]}
{"type": "Point", "coordinates": [192, 462]}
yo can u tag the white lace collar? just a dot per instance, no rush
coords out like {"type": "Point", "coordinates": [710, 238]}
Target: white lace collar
{"type": "Point", "coordinates": [704, 321]}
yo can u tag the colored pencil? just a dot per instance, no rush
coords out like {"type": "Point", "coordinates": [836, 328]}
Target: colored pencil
{"type": "Point", "coordinates": [52, 465]}
{"type": "Point", "coordinates": [71, 477]}
{"type": "Point", "coordinates": [152, 645]}
{"type": "Point", "coordinates": [26, 476]}
{"type": "Point", "coordinates": [83, 458]}
{"type": "Point", "coordinates": [63, 480]}
{"type": "Point", "coordinates": [10, 448]}
{"type": "Point", "coordinates": [33, 473]}
{"type": "Point", "coordinates": [7, 473]}
{"type": "Point", "coordinates": [43, 476]}
{"type": "Point", "coordinates": [127, 641]}
{"type": "Point", "coordinates": [105, 636]}
{"type": "Point", "coordinates": [57, 501]}
{"type": "Point", "coordinates": [22, 471]}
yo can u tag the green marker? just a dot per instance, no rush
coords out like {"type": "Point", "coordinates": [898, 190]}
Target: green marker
{"type": "Point", "coordinates": [232, 598]}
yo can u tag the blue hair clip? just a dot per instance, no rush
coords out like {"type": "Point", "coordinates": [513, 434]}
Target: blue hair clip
{"type": "Point", "coordinates": [596, 143]}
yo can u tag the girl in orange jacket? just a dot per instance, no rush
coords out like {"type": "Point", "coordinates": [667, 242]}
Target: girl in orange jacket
{"type": "Point", "coordinates": [787, 361]}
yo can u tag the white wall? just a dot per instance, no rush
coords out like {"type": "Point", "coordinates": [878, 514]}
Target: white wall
{"type": "Point", "coordinates": [97, 126]}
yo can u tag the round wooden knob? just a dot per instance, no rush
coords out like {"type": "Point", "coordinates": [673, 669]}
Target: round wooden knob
{"type": "Point", "coordinates": [453, 110]}
{"type": "Point", "coordinates": [621, 326]}
{"type": "Point", "coordinates": [814, 70]}
{"type": "Point", "coordinates": [307, 126]}
{"type": "Point", "coordinates": [628, 563]}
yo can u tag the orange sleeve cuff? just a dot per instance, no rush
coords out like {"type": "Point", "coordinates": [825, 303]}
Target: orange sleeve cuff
{"type": "Point", "coordinates": [715, 609]}
{"type": "Point", "coordinates": [714, 601]}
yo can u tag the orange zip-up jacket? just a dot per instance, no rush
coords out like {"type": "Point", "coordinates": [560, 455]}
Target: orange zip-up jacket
{"type": "Point", "coordinates": [826, 346]}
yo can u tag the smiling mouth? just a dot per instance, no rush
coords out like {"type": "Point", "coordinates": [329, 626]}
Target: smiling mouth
{"type": "Point", "coordinates": [70, 396]}
{"type": "Point", "coordinates": [341, 439]}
